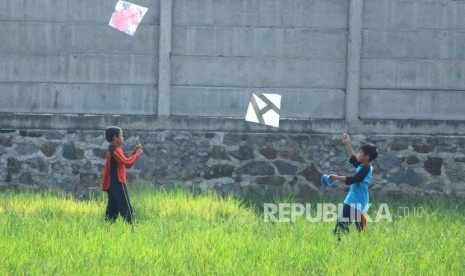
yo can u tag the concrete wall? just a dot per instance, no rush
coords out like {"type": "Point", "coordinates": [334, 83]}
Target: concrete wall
{"type": "Point", "coordinates": [330, 59]}
{"type": "Point", "coordinates": [62, 57]}
{"type": "Point", "coordinates": [225, 50]}
{"type": "Point", "coordinates": [413, 63]}
{"type": "Point", "coordinates": [387, 71]}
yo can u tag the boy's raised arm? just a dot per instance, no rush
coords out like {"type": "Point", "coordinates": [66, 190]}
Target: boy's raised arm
{"type": "Point", "coordinates": [346, 140]}
{"type": "Point", "coordinates": [123, 160]}
{"type": "Point", "coordinates": [138, 149]}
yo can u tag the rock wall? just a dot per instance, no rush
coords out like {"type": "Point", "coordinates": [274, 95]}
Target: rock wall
{"type": "Point", "coordinates": [232, 163]}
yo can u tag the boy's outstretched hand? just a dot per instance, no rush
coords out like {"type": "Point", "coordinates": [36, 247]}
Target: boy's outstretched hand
{"type": "Point", "coordinates": [139, 149]}
{"type": "Point", "coordinates": [338, 178]}
{"type": "Point", "coordinates": [345, 138]}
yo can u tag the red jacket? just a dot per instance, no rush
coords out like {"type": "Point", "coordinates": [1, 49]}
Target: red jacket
{"type": "Point", "coordinates": [123, 163]}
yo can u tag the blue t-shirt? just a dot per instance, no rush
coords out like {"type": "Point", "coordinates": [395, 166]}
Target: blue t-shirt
{"type": "Point", "coordinates": [358, 195]}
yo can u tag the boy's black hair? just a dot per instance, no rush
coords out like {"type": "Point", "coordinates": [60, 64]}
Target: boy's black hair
{"type": "Point", "coordinates": [371, 150]}
{"type": "Point", "coordinates": [111, 132]}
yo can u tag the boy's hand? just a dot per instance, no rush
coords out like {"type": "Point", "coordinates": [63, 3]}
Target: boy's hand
{"type": "Point", "coordinates": [139, 149]}
{"type": "Point", "coordinates": [345, 138]}
{"type": "Point", "coordinates": [337, 178]}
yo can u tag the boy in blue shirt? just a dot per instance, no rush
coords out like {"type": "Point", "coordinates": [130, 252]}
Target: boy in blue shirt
{"type": "Point", "coordinates": [356, 201]}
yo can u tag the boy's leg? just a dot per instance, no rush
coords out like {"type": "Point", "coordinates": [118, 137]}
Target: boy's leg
{"type": "Point", "coordinates": [361, 222]}
{"type": "Point", "coordinates": [112, 208]}
{"type": "Point", "coordinates": [122, 200]}
{"type": "Point", "coordinates": [127, 211]}
{"type": "Point", "coordinates": [343, 222]}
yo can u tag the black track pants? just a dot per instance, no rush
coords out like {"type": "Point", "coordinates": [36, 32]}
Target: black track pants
{"type": "Point", "coordinates": [349, 214]}
{"type": "Point", "coordinates": [118, 202]}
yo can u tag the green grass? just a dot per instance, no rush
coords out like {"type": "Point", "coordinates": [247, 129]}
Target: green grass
{"type": "Point", "coordinates": [181, 233]}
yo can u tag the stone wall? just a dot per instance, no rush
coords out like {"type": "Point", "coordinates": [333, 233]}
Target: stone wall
{"type": "Point", "coordinates": [231, 163]}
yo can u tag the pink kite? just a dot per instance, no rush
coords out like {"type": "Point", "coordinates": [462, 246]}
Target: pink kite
{"type": "Point", "coordinates": [127, 17]}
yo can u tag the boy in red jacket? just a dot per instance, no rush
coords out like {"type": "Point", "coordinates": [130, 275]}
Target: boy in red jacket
{"type": "Point", "coordinates": [114, 175]}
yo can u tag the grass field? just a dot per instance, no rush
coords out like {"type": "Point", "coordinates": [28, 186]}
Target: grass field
{"type": "Point", "coordinates": [181, 233]}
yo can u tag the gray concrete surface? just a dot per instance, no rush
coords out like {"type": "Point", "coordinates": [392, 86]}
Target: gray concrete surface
{"type": "Point", "coordinates": [353, 60]}
{"type": "Point", "coordinates": [62, 57]}
{"type": "Point", "coordinates": [413, 60]}
{"type": "Point", "coordinates": [72, 122]}
{"type": "Point", "coordinates": [164, 65]}
{"type": "Point", "coordinates": [210, 55]}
